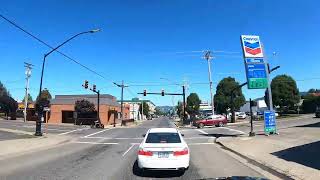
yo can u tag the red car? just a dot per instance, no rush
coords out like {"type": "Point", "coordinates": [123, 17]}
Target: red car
{"type": "Point", "coordinates": [217, 120]}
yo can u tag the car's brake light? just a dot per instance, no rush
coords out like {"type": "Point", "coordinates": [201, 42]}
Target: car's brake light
{"type": "Point", "coordinates": [185, 151]}
{"type": "Point", "coordinates": [145, 153]}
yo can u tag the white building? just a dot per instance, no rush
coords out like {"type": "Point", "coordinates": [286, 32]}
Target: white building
{"type": "Point", "coordinates": [261, 106]}
{"type": "Point", "coordinates": [134, 105]}
{"type": "Point", "coordinates": [205, 108]}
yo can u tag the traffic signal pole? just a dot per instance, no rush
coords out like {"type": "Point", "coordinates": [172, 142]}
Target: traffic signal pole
{"type": "Point", "coordinates": [183, 94]}
{"type": "Point", "coordinates": [122, 86]}
{"type": "Point", "coordinates": [251, 120]}
{"type": "Point", "coordinates": [98, 109]}
{"type": "Point", "coordinates": [94, 89]}
{"type": "Point", "coordinates": [121, 108]}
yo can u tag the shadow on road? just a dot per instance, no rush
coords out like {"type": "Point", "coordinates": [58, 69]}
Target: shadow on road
{"type": "Point", "coordinates": [217, 135]}
{"type": "Point", "coordinates": [154, 174]}
{"type": "Point", "coordinates": [305, 154]}
{"type": "Point", "coordinates": [311, 125]}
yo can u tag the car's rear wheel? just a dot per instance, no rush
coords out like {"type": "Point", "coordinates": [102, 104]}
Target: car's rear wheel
{"type": "Point", "coordinates": [201, 125]}
{"type": "Point", "coordinates": [182, 170]}
{"type": "Point", "coordinates": [220, 124]}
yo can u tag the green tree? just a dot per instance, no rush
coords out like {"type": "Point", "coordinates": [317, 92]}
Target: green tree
{"type": "Point", "coordinates": [310, 103]}
{"type": "Point", "coordinates": [285, 93]}
{"type": "Point", "coordinates": [146, 109]}
{"type": "Point", "coordinates": [3, 90]}
{"type": "Point", "coordinates": [9, 106]}
{"type": "Point", "coordinates": [312, 90]}
{"type": "Point", "coordinates": [228, 95]}
{"type": "Point", "coordinates": [193, 104]}
{"type": "Point", "coordinates": [84, 106]}
{"type": "Point", "coordinates": [44, 99]}
{"type": "Point", "coordinates": [179, 109]}
{"type": "Point", "coordinates": [29, 98]}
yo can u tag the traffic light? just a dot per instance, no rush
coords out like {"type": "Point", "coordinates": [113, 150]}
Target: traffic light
{"type": "Point", "coordinates": [144, 92]}
{"type": "Point", "coordinates": [86, 84]}
{"type": "Point", "coordinates": [162, 92]}
{"type": "Point", "coordinates": [94, 88]}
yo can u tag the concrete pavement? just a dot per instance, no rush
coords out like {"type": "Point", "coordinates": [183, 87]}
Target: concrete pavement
{"type": "Point", "coordinates": [293, 152]}
{"type": "Point", "coordinates": [111, 154]}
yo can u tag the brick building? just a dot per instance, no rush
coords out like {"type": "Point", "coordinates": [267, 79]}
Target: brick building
{"type": "Point", "coordinates": [62, 108]}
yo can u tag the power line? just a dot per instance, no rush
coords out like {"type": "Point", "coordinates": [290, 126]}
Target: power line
{"type": "Point", "coordinates": [134, 95]}
{"type": "Point", "coordinates": [13, 81]}
{"type": "Point", "coordinates": [51, 47]}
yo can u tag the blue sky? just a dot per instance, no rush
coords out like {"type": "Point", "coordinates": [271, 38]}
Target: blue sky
{"type": "Point", "coordinates": [143, 41]}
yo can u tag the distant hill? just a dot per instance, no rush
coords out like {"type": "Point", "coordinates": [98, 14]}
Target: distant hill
{"type": "Point", "coordinates": [303, 93]}
{"type": "Point", "coordinates": [165, 109]}
{"type": "Point", "coordinates": [258, 99]}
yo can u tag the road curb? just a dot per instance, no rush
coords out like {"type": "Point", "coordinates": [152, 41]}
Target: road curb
{"type": "Point", "coordinates": [16, 131]}
{"type": "Point", "coordinates": [17, 154]}
{"type": "Point", "coordinates": [256, 163]}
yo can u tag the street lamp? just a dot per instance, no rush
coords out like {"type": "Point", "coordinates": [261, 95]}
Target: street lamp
{"type": "Point", "coordinates": [40, 108]}
{"type": "Point", "coordinates": [208, 57]}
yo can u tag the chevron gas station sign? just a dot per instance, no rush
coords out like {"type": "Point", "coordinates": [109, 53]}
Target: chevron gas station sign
{"type": "Point", "coordinates": [251, 46]}
{"type": "Point", "coordinates": [254, 62]}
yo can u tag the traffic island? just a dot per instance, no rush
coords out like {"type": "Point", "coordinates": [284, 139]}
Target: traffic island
{"type": "Point", "coordinates": [290, 155]}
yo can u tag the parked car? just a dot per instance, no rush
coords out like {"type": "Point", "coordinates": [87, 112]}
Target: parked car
{"type": "Point", "coordinates": [163, 149]}
{"type": "Point", "coordinates": [213, 120]}
{"type": "Point", "coordinates": [242, 115]}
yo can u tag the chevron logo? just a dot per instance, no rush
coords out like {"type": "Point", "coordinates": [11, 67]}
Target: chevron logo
{"type": "Point", "coordinates": [252, 48]}
{"type": "Point", "coordinates": [253, 51]}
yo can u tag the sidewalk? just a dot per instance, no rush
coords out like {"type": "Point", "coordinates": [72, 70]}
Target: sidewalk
{"type": "Point", "coordinates": [16, 147]}
{"type": "Point", "coordinates": [294, 152]}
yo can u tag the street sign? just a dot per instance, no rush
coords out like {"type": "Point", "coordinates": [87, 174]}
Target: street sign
{"type": "Point", "coordinates": [269, 122]}
{"type": "Point", "coordinates": [256, 75]}
{"type": "Point", "coordinates": [251, 46]}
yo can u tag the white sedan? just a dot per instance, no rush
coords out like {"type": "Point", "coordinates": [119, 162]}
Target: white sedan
{"type": "Point", "coordinates": [163, 149]}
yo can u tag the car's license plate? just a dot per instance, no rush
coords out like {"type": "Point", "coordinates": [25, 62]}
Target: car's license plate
{"type": "Point", "coordinates": [163, 154]}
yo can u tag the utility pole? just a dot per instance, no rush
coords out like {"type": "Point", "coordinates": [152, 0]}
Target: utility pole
{"type": "Point", "coordinates": [122, 86]}
{"type": "Point", "coordinates": [184, 103]}
{"type": "Point", "coordinates": [98, 93]}
{"type": "Point", "coordinates": [208, 57]}
{"type": "Point", "coordinates": [28, 67]}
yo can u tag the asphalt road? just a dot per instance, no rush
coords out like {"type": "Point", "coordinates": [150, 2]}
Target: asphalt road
{"type": "Point", "coordinates": [112, 153]}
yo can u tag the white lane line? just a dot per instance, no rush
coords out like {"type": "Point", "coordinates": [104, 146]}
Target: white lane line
{"type": "Point", "coordinates": [191, 144]}
{"type": "Point", "coordinates": [68, 132]}
{"type": "Point", "coordinates": [109, 138]}
{"type": "Point", "coordinates": [132, 145]}
{"type": "Point", "coordinates": [234, 130]}
{"type": "Point", "coordinates": [82, 142]}
{"type": "Point", "coordinates": [96, 133]}
{"type": "Point", "coordinates": [203, 132]}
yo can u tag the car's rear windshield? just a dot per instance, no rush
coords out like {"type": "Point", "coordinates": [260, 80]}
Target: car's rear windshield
{"type": "Point", "coordinates": [163, 138]}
